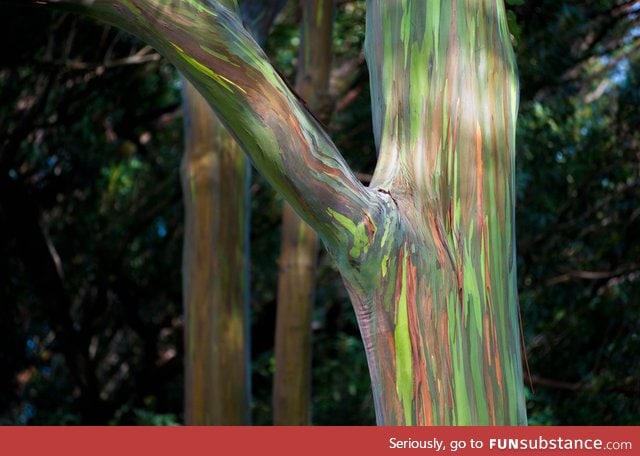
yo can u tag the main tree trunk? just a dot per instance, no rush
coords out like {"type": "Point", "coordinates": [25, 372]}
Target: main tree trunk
{"type": "Point", "coordinates": [436, 292]}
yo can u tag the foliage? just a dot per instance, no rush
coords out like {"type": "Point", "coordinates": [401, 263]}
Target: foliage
{"type": "Point", "coordinates": [92, 223]}
{"type": "Point", "coordinates": [577, 243]}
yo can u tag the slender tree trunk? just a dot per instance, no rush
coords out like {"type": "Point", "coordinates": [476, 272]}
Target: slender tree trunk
{"type": "Point", "coordinates": [299, 244]}
{"type": "Point", "coordinates": [428, 250]}
{"type": "Point", "coordinates": [215, 180]}
{"type": "Point", "coordinates": [215, 176]}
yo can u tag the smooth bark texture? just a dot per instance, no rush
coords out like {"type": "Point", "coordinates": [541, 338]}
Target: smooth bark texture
{"type": "Point", "coordinates": [444, 95]}
{"type": "Point", "coordinates": [428, 251]}
{"type": "Point", "coordinates": [299, 245]}
{"type": "Point", "coordinates": [296, 292]}
{"type": "Point", "coordinates": [215, 179]}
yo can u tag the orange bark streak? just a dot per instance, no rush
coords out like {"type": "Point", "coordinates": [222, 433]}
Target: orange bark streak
{"type": "Point", "coordinates": [497, 356]}
{"type": "Point", "coordinates": [440, 241]}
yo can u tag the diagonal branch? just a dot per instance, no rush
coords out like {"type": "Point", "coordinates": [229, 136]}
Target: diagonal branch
{"type": "Point", "coordinates": [209, 45]}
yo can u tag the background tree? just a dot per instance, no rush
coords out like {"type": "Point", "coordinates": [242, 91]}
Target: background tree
{"type": "Point", "coordinates": [89, 226]}
{"type": "Point", "coordinates": [299, 246]}
{"type": "Point", "coordinates": [215, 180]}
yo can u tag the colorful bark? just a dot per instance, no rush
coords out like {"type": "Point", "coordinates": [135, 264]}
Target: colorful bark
{"type": "Point", "coordinates": [210, 46]}
{"type": "Point", "coordinates": [426, 252]}
{"type": "Point", "coordinates": [446, 141]}
{"type": "Point", "coordinates": [215, 177]}
{"type": "Point", "coordinates": [299, 246]}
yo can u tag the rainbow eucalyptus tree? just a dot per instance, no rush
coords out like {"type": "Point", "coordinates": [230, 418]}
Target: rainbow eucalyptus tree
{"type": "Point", "coordinates": [215, 270]}
{"type": "Point", "coordinates": [427, 250]}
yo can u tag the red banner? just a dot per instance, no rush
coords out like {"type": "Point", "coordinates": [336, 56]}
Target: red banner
{"type": "Point", "coordinates": [325, 441]}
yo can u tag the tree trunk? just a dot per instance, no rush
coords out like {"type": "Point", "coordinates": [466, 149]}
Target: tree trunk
{"type": "Point", "coordinates": [215, 176]}
{"type": "Point", "coordinates": [428, 250]}
{"type": "Point", "coordinates": [215, 180]}
{"type": "Point", "coordinates": [299, 245]}
{"type": "Point", "coordinates": [443, 308]}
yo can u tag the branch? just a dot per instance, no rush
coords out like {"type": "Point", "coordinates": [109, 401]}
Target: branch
{"type": "Point", "coordinates": [557, 384]}
{"type": "Point", "coordinates": [592, 275]}
{"type": "Point", "coordinates": [126, 61]}
{"type": "Point", "coordinates": [210, 46]}
{"type": "Point", "coordinates": [578, 386]}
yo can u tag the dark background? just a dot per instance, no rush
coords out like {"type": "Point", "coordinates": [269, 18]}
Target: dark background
{"type": "Point", "coordinates": [91, 222]}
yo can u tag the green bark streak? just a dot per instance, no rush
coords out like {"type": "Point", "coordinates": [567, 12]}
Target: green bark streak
{"type": "Point", "coordinates": [404, 383]}
{"type": "Point", "coordinates": [358, 237]}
